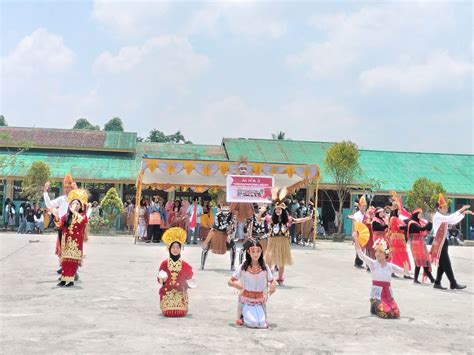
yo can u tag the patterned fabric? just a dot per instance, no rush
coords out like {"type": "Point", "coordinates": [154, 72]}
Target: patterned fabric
{"type": "Point", "coordinates": [223, 221]}
{"type": "Point", "coordinates": [72, 237]}
{"type": "Point", "coordinates": [382, 303]}
{"type": "Point", "coordinates": [279, 230]}
{"type": "Point", "coordinates": [438, 242]}
{"type": "Point", "coordinates": [173, 294]}
{"type": "Point", "coordinates": [68, 270]}
{"type": "Point", "coordinates": [259, 228]}
{"type": "Point", "coordinates": [419, 250]}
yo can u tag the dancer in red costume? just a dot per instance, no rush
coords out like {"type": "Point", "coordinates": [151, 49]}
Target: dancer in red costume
{"type": "Point", "coordinates": [398, 246]}
{"type": "Point", "coordinates": [72, 228]}
{"type": "Point", "coordinates": [174, 276]}
{"type": "Point", "coordinates": [416, 230]}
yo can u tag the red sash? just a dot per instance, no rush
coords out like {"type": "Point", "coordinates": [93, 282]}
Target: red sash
{"type": "Point", "coordinates": [194, 217]}
{"type": "Point", "coordinates": [438, 242]}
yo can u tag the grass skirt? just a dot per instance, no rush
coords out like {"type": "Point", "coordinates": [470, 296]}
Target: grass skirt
{"type": "Point", "coordinates": [278, 252]}
{"type": "Point", "coordinates": [217, 241]}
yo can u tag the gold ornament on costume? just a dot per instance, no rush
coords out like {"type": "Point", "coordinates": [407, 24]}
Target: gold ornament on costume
{"type": "Point", "coordinates": [78, 194]}
{"type": "Point", "coordinates": [175, 234]}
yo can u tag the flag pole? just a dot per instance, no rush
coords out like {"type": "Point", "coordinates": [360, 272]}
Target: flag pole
{"type": "Point", "coordinates": [315, 226]}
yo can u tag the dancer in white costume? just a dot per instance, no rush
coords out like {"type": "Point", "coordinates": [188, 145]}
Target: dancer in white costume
{"type": "Point", "coordinates": [254, 279]}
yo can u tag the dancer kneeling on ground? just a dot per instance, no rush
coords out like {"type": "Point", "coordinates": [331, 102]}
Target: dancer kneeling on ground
{"type": "Point", "coordinates": [175, 276]}
{"type": "Point", "coordinates": [253, 279]}
{"type": "Point", "coordinates": [382, 303]}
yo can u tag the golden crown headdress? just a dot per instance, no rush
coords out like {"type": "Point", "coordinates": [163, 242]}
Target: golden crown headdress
{"type": "Point", "coordinates": [175, 234]}
{"type": "Point", "coordinates": [78, 194]}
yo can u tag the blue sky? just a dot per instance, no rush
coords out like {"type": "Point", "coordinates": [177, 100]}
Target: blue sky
{"type": "Point", "coordinates": [386, 75]}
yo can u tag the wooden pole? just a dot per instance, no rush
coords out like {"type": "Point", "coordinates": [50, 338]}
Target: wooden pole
{"type": "Point", "coordinates": [316, 210]}
{"type": "Point", "coordinates": [138, 198]}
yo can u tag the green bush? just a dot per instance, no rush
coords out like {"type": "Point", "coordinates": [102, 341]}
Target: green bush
{"type": "Point", "coordinates": [112, 206]}
{"type": "Point", "coordinates": [98, 225]}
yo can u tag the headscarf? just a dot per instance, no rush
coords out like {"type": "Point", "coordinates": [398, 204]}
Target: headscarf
{"type": "Point", "coordinates": [174, 257]}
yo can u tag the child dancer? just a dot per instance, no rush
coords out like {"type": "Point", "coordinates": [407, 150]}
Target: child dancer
{"type": "Point", "coordinates": [382, 303]}
{"type": "Point", "coordinates": [174, 275]}
{"type": "Point", "coordinates": [252, 278]}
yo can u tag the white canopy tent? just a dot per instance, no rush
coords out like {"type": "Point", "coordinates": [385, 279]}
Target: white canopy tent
{"type": "Point", "coordinates": [200, 175]}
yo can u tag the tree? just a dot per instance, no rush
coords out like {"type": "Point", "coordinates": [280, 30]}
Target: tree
{"type": "Point", "coordinates": [424, 194]}
{"type": "Point", "coordinates": [115, 124]}
{"type": "Point", "coordinates": [3, 121]}
{"type": "Point", "coordinates": [157, 136]}
{"type": "Point", "coordinates": [36, 176]}
{"type": "Point", "coordinates": [112, 206]}
{"type": "Point", "coordinates": [10, 159]}
{"type": "Point", "coordinates": [278, 136]}
{"type": "Point", "coordinates": [342, 162]}
{"type": "Point", "coordinates": [83, 123]}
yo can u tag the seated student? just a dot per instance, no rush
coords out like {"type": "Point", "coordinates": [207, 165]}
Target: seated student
{"type": "Point", "coordinates": [39, 221]}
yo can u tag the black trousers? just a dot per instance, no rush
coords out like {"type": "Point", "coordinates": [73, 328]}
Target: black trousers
{"type": "Point", "coordinates": [427, 272]}
{"type": "Point", "coordinates": [358, 261]}
{"type": "Point", "coordinates": [154, 232]}
{"type": "Point", "coordinates": [444, 266]}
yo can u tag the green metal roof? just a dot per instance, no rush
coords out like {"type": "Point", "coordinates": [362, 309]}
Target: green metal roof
{"type": "Point", "coordinates": [181, 151]}
{"type": "Point", "coordinates": [276, 151]}
{"type": "Point", "coordinates": [396, 170]}
{"type": "Point", "coordinates": [68, 139]}
{"type": "Point", "coordinates": [84, 166]}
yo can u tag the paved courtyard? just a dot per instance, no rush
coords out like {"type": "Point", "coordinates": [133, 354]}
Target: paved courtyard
{"type": "Point", "coordinates": [114, 308]}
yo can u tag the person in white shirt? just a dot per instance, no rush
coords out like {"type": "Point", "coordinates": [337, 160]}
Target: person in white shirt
{"type": "Point", "coordinates": [60, 204]}
{"type": "Point", "coordinates": [382, 303]}
{"type": "Point", "coordinates": [39, 221]}
{"type": "Point", "coordinates": [439, 249]}
{"type": "Point", "coordinates": [359, 217]}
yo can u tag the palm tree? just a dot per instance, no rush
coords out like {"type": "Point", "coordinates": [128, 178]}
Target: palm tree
{"type": "Point", "coordinates": [278, 136]}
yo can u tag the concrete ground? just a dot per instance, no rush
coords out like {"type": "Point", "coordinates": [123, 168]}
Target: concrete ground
{"type": "Point", "coordinates": [114, 308]}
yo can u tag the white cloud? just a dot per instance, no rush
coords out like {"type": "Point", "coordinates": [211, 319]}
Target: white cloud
{"type": "Point", "coordinates": [440, 71]}
{"type": "Point", "coordinates": [372, 33]}
{"type": "Point", "coordinates": [165, 61]}
{"type": "Point", "coordinates": [323, 59]}
{"type": "Point", "coordinates": [249, 18]}
{"type": "Point", "coordinates": [129, 18]}
{"type": "Point", "coordinates": [39, 52]}
{"type": "Point", "coordinates": [233, 116]}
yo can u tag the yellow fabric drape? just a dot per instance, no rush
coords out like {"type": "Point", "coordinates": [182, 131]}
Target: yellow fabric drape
{"type": "Point", "coordinates": [138, 197]}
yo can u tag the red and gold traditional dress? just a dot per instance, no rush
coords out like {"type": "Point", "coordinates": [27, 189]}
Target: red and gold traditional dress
{"type": "Point", "coordinates": [173, 294]}
{"type": "Point", "coordinates": [72, 237]}
{"type": "Point", "coordinates": [174, 289]}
